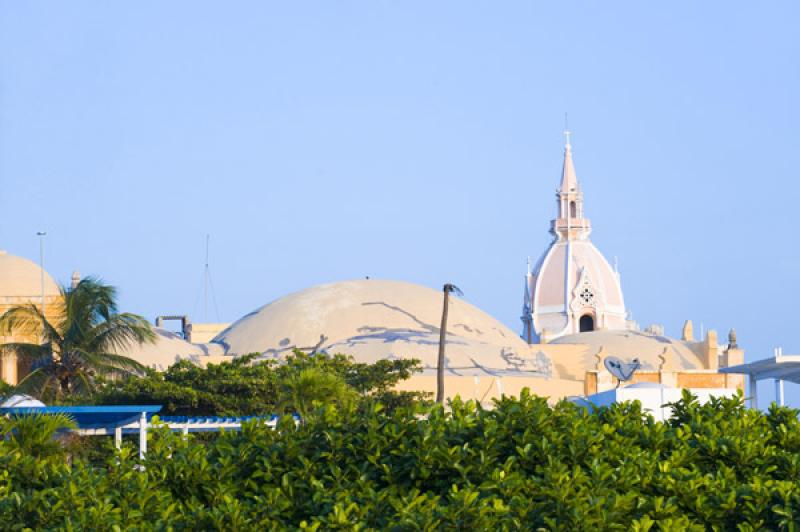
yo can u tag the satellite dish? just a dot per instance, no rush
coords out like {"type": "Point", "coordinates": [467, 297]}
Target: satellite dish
{"type": "Point", "coordinates": [623, 371]}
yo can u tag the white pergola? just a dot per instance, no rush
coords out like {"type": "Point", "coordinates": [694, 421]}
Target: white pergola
{"type": "Point", "coordinates": [780, 367]}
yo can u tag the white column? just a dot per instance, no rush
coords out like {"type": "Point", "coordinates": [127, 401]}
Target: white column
{"type": "Point", "coordinates": [753, 392]}
{"type": "Point", "coordinates": [779, 396]}
{"type": "Point", "coordinates": [118, 437]}
{"type": "Point", "coordinates": [143, 435]}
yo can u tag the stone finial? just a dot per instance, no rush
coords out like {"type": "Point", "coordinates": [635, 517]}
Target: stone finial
{"type": "Point", "coordinates": [688, 332]}
{"type": "Point", "coordinates": [76, 278]}
{"type": "Point", "coordinates": [732, 339]}
{"type": "Point", "coordinates": [711, 350]}
{"type": "Point", "coordinates": [665, 361]}
{"type": "Point", "coordinates": [599, 357]}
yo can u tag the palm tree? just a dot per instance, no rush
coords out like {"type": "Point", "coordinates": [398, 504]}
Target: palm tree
{"type": "Point", "coordinates": [300, 392]}
{"type": "Point", "coordinates": [80, 342]}
{"type": "Point", "coordinates": [33, 433]}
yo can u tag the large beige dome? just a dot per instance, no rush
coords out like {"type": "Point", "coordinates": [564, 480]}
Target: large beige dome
{"type": "Point", "coordinates": [372, 320]}
{"type": "Point", "coordinates": [20, 279]}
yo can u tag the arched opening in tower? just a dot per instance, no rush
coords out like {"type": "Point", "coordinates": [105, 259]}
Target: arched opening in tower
{"type": "Point", "coordinates": [586, 323]}
{"type": "Point", "coordinates": [573, 210]}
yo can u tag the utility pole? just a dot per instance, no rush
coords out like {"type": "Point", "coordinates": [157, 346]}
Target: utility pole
{"type": "Point", "coordinates": [447, 288]}
{"type": "Point", "coordinates": [205, 283]}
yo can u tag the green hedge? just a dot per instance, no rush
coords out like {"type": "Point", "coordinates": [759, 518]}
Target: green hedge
{"type": "Point", "coordinates": [520, 465]}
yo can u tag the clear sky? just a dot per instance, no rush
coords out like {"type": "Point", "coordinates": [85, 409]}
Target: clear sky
{"type": "Point", "coordinates": [321, 141]}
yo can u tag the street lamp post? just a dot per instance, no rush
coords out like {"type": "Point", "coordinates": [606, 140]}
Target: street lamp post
{"type": "Point", "coordinates": [41, 235]}
{"type": "Point", "coordinates": [447, 288]}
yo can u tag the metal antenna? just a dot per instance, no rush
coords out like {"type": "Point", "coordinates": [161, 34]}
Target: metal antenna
{"type": "Point", "coordinates": [41, 235]}
{"type": "Point", "coordinates": [205, 283]}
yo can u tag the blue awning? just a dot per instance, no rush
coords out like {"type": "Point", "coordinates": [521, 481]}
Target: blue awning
{"type": "Point", "coordinates": [89, 417]}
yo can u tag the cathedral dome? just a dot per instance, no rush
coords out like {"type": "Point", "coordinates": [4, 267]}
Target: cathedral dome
{"type": "Point", "coordinates": [372, 320]}
{"type": "Point", "coordinates": [21, 280]}
{"type": "Point", "coordinates": [573, 279]}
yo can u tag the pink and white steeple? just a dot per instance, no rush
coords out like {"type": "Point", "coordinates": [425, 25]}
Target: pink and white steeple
{"type": "Point", "coordinates": [570, 223]}
{"type": "Point", "coordinates": [572, 287]}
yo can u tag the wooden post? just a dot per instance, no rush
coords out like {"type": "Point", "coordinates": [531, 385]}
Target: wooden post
{"type": "Point", "coordinates": [442, 341]}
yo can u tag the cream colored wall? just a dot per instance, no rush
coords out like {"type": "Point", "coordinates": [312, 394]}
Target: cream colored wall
{"type": "Point", "coordinates": [202, 333]}
{"type": "Point", "coordinates": [486, 388]}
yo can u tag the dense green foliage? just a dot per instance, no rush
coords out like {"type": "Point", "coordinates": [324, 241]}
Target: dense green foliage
{"type": "Point", "coordinates": [520, 465]}
{"type": "Point", "coordinates": [34, 434]}
{"type": "Point", "coordinates": [247, 386]}
{"type": "Point", "coordinates": [80, 342]}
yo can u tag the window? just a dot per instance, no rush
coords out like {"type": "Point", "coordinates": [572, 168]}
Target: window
{"type": "Point", "coordinates": [586, 296]}
{"type": "Point", "coordinates": [586, 323]}
{"type": "Point", "coordinates": [573, 210]}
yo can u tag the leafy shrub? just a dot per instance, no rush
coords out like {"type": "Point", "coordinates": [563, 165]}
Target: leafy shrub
{"type": "Point", "coordinates": [34, 434]}
{"type": "Point", "coordinates": [521, 465]}
{"type": "Point", "coordinates": [248, 386]}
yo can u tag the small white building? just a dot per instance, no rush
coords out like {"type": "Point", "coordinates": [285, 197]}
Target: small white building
{"type": "Point", "coordinates": [653, 397]}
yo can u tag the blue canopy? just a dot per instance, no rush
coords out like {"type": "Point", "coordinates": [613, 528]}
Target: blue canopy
{"type": "Point", "coordinates": [90, 417]}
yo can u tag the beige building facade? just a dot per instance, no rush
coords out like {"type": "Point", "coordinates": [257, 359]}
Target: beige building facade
{"type": "Point", "coordinates": [23, 282]}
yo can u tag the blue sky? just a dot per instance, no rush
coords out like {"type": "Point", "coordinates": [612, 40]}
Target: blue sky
{"type": "Point", "coordinates": [321, 141]}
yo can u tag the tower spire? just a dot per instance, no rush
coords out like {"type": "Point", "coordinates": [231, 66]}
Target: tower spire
{"type": "Point", "coordinates": [569, 179]}
{"type": "Point", "coordinates": [570, 223]}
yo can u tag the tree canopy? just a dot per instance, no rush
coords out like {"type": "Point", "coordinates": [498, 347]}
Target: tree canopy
{"type": "Point", "coordinates": [247, 385]}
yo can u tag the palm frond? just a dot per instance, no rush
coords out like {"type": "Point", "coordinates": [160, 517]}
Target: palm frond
{"type": "Point", "coordinates": [121, 331]}
{"type": "Point", "coordinates": [91, 301]}
{"type": "Point", "coordinates": [103, 362]}
{"type": "Point", "coordinates": [33, 433]}
{"type": "Point", "coordinates": [38, 383]}
{"type": "Point", "coordinates": [83, 383]}
{"type": "Point", "coordinates": [25, 351]}
{"type": "Point", "coordinates": [28, 320]}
